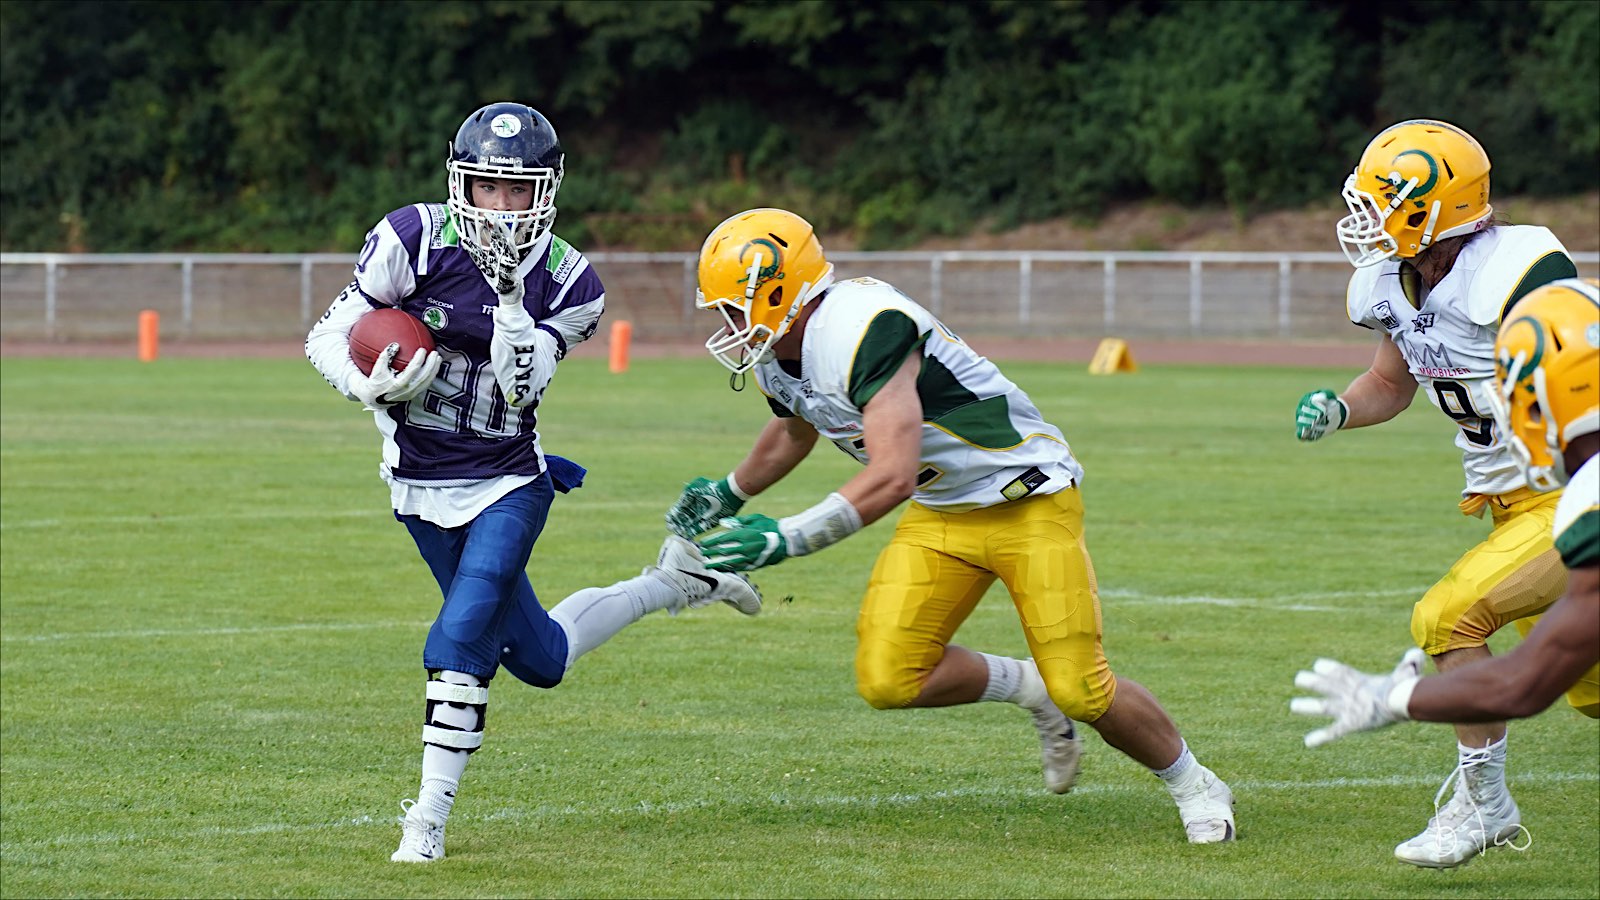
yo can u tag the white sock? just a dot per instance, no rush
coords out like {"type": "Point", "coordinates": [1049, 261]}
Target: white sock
{"type": "Point", "coordinates": [1014, 681]}
{"type": "Point", "coordinates": [1184, 768]}
{"type": "Point", "coordinates": [438, 795]}
{"type": "Point", "coordinates": [593, 616]}
{"type": "Point", "coordinates": [1485, 780]}
{"type": "Point", "coordinates": [655, 589]}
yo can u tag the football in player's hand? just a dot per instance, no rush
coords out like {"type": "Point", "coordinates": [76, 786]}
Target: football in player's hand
{"type": "Point", "coordinates": [382, 327]}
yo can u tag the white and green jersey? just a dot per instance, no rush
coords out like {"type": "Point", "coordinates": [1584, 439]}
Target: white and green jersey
{"type": "Point", "coordinates": [1447, 334]}
{"type": "Point", "coordinates": [1577, 524]}
{"type": "Point", "coordinates": [983, 440]}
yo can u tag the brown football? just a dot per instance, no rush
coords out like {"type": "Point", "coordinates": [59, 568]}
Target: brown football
{"type": "Point", "coordinates": [382, 327]}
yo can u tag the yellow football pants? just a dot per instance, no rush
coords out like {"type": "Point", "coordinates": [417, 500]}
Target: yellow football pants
{"type": "Point", "coordinates": [1512, 576]}
{"type": "Point", "coordinates": [938, 565]}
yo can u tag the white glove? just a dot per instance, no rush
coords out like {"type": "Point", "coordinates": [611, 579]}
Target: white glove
{"type": "Point", "coordinates": [506, 260]}
{"type": "Point", "coordinates": [523, 357]}
{"type": "Point", "coordinates": [383, 388]}
{"type": "Point", "coordinates": [1356, 701]}
{"type": "Point", "coordinates": [1319, 414]}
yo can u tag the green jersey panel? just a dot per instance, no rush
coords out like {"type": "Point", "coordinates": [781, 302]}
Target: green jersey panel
{"type": "Point", "coordinates": [1577, 521]}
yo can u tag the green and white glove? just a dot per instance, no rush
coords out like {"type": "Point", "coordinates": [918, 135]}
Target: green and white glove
{"type": "Point", "coordinates": [703, 504]}
{"type": "Point", "coordinates": [1356, 701]}
{"type": "Point", "coordinates": [507, 286]}
{"type": "Point", "coordinates": [1319, 413]}
{"type": "Point", "coordinates": [750, 542]}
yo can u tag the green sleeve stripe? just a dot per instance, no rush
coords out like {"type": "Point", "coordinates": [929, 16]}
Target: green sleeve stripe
{"type": "Point", "coordinates": [1579, 544]}
{"type": "Point", "coordinates": [1552, 266]}
{"type": "Point", "coordinates": [891, 336]}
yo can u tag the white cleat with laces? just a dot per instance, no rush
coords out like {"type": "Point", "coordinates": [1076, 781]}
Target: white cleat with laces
{"type": "Point", "coordinates": [1464, 827]}
{"type": "Point", "coordinates": [1060, 748]}
{"type": "Point", "coordinates": [681, 562]}
{"type": "Point", "coordinates": [421, 837]}
{"type": "Point", "coordinates": [1206, 806]}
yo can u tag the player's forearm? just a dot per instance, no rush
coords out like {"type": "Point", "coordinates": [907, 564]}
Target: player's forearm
{"type": "Point", "coordinates": [890, 478]}
{"type": "Point", "coordinates": [1493, 690]}
{"type": "Point", "coordinates": [1374, 397]}
{"type": "Point", "coordinates": [892, 422]}
{"type": "Point", "coordinates": [777, 451]}
{"type": "Point", "coordinates": [523, 356]}
{"type": "Point", "coordinates": [328, 343]}
{"type": "Point", "coordinates": [878, 489]}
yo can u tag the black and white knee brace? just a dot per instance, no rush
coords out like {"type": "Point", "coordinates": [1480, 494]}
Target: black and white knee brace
{"type": "Point", "coordinates": [457, 705]}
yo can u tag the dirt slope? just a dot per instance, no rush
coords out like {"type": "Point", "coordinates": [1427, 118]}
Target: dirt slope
{"type": "Point", "coordinates": [1575, 220]}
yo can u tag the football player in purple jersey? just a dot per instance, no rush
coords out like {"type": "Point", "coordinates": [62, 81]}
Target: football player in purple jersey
{"type": "Point", "coordinates": [505, 299]}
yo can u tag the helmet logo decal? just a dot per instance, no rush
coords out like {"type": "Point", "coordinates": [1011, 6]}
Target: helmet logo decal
{"type": "Point", "coordinates": [765, 273]}
{"type": "Point", "coordinates": [505, 125]}
{"type": "Point", "coordinates": [1536, 358]}
{"type": "Point", "coordinates": [1396, 182]}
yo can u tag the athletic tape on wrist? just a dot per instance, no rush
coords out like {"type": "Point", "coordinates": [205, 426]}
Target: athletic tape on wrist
{"type": "Point", "coordinates": [829, 522]}
{"type": "Point", "coordinates": [1399, 699]}
{"type": "Point", "coordinates": [734, 489]}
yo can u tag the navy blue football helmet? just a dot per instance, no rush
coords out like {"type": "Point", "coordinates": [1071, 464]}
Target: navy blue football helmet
{"type": "Point", "coordinates": [504, 140]}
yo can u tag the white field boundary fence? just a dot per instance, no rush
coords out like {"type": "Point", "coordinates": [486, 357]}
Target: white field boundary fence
{"type": "Point", "coordinates": [63, 297]}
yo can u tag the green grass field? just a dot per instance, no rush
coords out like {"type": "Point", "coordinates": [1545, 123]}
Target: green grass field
{"type": "Point", "coordinates": [211, 632]}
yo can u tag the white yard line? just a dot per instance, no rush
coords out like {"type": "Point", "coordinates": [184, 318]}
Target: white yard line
{"type": "Point", "coordinates": [1287, 603]}
{"type": "Point", "coordinates": [377, 511]}
{"type": "Point", "coordinates": [759, 802]}
{"type": "Point", "coordinates": [202, 632]}
{"type": "Point", "coordinates": [162, 519]}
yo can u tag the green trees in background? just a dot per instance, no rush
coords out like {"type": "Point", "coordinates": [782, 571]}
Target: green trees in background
{"type": "Point", "coordinates": [294, 126]}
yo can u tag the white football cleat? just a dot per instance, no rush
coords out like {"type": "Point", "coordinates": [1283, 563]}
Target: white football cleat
{"type": "Point", "coordinates": [1206, 806]}
{"type": "Point", "coordinates": [680, 560]}
{"type": "Point", "coordinates": [1461, 830]}
{"type": "Point", "coordinates": [1060, 748]}
{"type": "Point", "coordinates": [421, 837]}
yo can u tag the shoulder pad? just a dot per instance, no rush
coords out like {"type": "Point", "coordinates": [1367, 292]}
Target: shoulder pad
{"type": "Point", "coordinates": [1520, 251]}
{"type": "Point", "coordinates": [1358, 296]}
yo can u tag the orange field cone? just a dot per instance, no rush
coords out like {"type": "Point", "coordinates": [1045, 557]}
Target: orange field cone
{"type": "Point", "coordinates": [149, 335]}
{"type": "Point", "coordinates": [621, 338]}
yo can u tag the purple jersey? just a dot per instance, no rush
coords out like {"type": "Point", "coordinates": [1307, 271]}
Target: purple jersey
{"type": "Point", "coordinates": [462, 429]}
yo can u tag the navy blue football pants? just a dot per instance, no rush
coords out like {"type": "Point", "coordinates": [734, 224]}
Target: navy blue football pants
{"type": "Point", "coordinates": [490, 615]}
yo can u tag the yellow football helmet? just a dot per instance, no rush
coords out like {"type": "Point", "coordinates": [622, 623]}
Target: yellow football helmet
{"type": "Point", "coordinates": [758, 268]}
{"type": "Point", "coordinates": [1547, 376]}
{"type": "Point", "coordinates": [1417, 182]}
